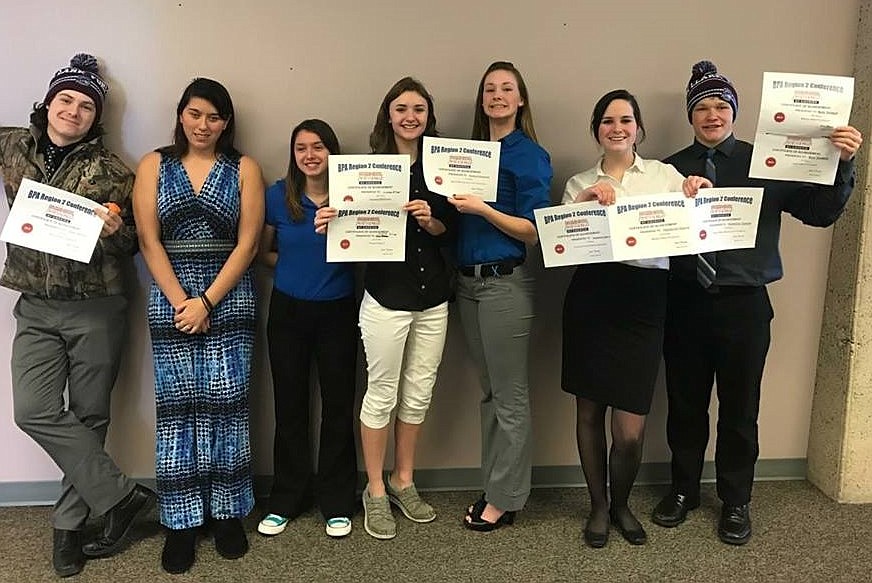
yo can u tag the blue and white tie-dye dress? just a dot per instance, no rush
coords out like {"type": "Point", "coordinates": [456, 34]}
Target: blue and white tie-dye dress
{"type": "Point", "coordinates": [203, 458]}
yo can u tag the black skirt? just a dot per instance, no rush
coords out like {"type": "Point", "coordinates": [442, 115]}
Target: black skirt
{"type": "Point", "coordinates": [613, 317]}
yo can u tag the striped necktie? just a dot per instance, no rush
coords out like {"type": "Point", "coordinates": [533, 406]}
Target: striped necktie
{"type": "Point", "coordinates": [707, 263]}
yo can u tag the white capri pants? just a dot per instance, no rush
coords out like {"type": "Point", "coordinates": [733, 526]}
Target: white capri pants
{"type": "Point", "coordinates": [403, 352]}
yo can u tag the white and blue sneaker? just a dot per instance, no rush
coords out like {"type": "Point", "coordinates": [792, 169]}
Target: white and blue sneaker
{"type": "Point", "coordinates": [272, 524]}
{"type": "Point", "coordinates": [338, 526]}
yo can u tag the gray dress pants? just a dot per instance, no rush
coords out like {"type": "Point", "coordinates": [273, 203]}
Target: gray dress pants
{"type": "Point", "coordinates": [497, 313]}
{"type": "Point", "coordinates": [74, 345]}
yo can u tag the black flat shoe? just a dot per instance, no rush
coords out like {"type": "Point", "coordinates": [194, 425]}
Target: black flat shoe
{"type": "Point", "coordinates": [634, 536]}
{"type": "Point", "coordinates": [595, 540]}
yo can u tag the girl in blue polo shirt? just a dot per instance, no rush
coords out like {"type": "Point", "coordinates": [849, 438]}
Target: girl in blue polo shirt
{"type": "Point", "coordinates": [312, 314]}
{"type": "Point", "coordinates": [495, 292]}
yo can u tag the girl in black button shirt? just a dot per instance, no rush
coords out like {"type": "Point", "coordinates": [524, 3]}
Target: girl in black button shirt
{"type": "Point", "coordinates": [403, 317]}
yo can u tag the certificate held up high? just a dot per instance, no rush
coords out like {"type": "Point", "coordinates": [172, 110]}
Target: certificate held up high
{"type": "Point", "coordinates": [461, 167]}
{"type": "Point", "coordinates": [797, 114]}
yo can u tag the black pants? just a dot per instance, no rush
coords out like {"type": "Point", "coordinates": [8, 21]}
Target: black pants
{"type": "Point", "coordinates": [298, 331]}
{"type": "Point", "coordinates": [720, 337]}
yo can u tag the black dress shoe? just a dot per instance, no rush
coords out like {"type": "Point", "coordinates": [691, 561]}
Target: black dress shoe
{"type": "Point", "coordinates": [230, 539]}
{"type": "Point", "coordinates": [673, 509]}
{"type": "Point", "coordinates": [118, 522]}
{"type": "Point", "coordinates": [634, 536]}
{"type": "Point", "coordinates": [66, 555]}
{"type": "Point", "coordinates": [179, 550]}
{"type": "Point", "coordinates": [734, 527]}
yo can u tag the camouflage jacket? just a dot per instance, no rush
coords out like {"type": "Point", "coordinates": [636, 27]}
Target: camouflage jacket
{"type": "Point", "coordinates": [92, 171]}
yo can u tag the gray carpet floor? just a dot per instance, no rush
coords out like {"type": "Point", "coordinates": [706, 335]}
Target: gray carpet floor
{"type": "Point", "coordinates": [799, 535]}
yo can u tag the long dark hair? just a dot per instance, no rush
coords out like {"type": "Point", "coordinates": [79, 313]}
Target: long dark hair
{"type": "Point", "coordinates": [39, 120]}
{"type": "Point", "coordinates": [382, 140]}
{"type": "Point", "coordinates": [524, 116]}
{"type": "Point", "coordinates": [599, 110]}
{"type": "Point", "coordinates": [295, 181]}
{"type": "Point", "coordinates": [216, 94]}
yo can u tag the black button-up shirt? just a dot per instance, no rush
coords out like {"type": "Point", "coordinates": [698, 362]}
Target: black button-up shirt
{"type": "Point", "coordinates": [423, 280]}
{"type": "Point", "coordinates": [814, 204]}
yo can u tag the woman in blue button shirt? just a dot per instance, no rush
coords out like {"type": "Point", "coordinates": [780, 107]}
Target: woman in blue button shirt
{"type": "Point", "coordinates": [495, 292]}
{"type": "Point", "coordinates": [312, 314]}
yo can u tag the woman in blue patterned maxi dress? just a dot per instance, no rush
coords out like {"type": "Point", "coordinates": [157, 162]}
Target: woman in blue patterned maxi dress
{"type": "Point", "coordinates": [199, 208]}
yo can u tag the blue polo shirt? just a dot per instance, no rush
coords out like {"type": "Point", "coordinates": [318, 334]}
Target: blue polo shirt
{"type": "Point", "coordinates": [302, 271]}
{"type": "Point", "coordinates": [524, 185]}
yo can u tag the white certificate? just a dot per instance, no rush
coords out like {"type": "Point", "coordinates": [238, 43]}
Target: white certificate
{"type": "Point", "coordinates": [725, 218]}
{"type": "Point", "coordinates": [368, 192]}
{"type": "Point", "coordinates": [461, 167]}
{"type": "Point", "coordinates": [651, 226]}
{"type": "Point", "coordinates": [797, 113]}
{"type": "Point", "coordinates": [644, 227]}
{"type": "Point", "coordinates": [574, 233]}
{"type": "Point", "coordinates": [51, 220]}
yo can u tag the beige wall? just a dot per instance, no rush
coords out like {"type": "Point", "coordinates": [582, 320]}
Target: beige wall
{"type": "Point", "coordinates": [285, 61]}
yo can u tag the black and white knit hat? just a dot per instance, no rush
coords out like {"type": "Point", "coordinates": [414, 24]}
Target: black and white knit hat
{"type": "Point", "coordinates": [82, 75]}
{"type": "Point", "coordinates": [705, 81]}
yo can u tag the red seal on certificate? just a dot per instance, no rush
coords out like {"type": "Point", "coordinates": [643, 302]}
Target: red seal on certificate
{"type": "Point", "coordinates": [345, 243]}
{"type": "Point", "coordinates": [770, 162]}
{"type": "Point", "coordinates": [438, 180]}
{"type": "Point", "coordinates": [631, 241]}
{"type": "Point", "coordinates": [559, 249]}
{"type": "Point", "coordinates": [703, 235]}
{"type": "Point", "coordinates": [26, 227]}
{"type": "Point", "coordinates": [347, 198]}
{"type": "Point", "coordinates": [779, 117]}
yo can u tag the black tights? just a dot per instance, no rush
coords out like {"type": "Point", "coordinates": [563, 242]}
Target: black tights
{"type": "Point", "coordinates": [628, 432]}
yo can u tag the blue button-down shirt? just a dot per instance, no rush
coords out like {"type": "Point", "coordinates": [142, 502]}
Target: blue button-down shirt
{"type": "Point", "coordinates": [302, 271]}
{"type": "Point", "coordinates": [524, 185]}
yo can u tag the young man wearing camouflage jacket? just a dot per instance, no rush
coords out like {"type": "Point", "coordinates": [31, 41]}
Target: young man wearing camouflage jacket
{"type": "Point", "coordinates": [71, 316]}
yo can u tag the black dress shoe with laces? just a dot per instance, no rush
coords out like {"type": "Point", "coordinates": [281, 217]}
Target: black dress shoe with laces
{"type": "Point", "coordinates": [118, 522]}
{"type": "Point", "coordinates": [673, 509]}
{"type": "Point", "coordinates": [734, 527]}
{"type": "Point", "coordinates": [66, 556]}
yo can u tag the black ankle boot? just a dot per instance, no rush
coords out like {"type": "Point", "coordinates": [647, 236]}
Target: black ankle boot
{"type": "Point", "coordinates": [66, 555]}
{"type": "Point", "coordinates": [230, 539]}
{"type": "Point", "coordinates": [178, 551]}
